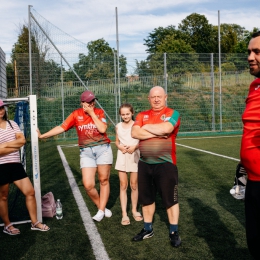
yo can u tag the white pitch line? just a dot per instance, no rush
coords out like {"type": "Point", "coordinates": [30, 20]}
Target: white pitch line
{"type": "Point", "coordinates": [204, 151]}
{"type": "Point", "coordinates": [94, 237]}
{"type": "Point", "coordinates": [207, 137]}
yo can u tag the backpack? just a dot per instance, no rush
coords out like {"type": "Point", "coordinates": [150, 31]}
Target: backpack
{"type": "Point", "coordinates": [48, 205]}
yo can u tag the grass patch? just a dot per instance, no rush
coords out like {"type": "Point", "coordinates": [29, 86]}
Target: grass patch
{"type": "Point", "coordinates": [211, 225]}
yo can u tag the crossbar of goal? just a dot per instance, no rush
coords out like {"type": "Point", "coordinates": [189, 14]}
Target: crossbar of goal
{"type": "Point", "coordinates": [34, 150]}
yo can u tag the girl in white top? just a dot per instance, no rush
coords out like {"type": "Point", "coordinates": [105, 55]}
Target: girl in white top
{"type": "Point", "coordinates": [127, 159]}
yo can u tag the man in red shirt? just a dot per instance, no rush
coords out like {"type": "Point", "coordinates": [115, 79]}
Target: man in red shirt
{"type": "Point", "coordinates": [157, 129]}
{"type": "Point", "coordinates": [250, 149]}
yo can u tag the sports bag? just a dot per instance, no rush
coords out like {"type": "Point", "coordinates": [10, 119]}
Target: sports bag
{"type": "Point", "coordinates": [48, 205]}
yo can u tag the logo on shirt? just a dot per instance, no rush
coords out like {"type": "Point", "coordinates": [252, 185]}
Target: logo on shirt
{"type": "Point", "coordinates": [146, 117]}
{"type": "Point", "coordinates": [80, 118]}
{"type": "Point", "coordinates": [256, 88]}
{"type": "Point", "coordinates": [89, 126]}
{"type": "Point", "coordinates": [163, 117]}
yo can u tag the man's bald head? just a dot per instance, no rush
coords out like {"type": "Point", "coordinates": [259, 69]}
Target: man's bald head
{"type": "Point", "coordinates": [157, 98]}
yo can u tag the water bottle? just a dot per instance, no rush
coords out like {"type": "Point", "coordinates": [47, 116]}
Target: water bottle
{"type": "Point", "coordinates": [59, 214]}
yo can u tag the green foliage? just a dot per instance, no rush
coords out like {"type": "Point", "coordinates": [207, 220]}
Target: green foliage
{"type": "Point", "coordinates": [10, 76]}
{"type": "Point", "coordinates": [98, 64]}
{"type": "Point", "coordinates": [228, 66]}
{"type": "Point", "coordinates": [197, 32]}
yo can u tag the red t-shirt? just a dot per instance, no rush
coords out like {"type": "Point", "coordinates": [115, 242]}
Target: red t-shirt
{"type": "Point", "coordinates": [88, 135]}
{"type": "Point", "coordinates": [158, 150]}
{"type": "Point", "coordinates": [250, 144]}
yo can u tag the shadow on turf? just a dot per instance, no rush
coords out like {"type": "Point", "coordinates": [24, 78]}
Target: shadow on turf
{"type": "Point", "coordinates": [230, 204]}
{"type": "Point", "coordinates": [219, 239]}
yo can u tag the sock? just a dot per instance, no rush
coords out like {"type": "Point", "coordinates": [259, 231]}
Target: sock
{"type": "Point", "coordinates": [173, 228]}
{"type": "Point", "coordinates": [148, 226]}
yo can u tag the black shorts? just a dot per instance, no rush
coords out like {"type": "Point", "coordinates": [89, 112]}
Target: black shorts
{"type": "Point", "coordinates": [153, 178]}
{"type": "Point", "coordinates": [10, 172]}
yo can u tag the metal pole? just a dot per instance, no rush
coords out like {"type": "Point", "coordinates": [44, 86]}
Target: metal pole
{"type": "Point", "coordinates": [115, 86]}
{"type": "Point", "coordinates": [30, 47]}
{"type": "Point", "coordinates": [47, 36]}
{"type": "Point", "coordinates": [165, 74]}
{"type": "Point", "coordinates": [220, 87]}
{"type": "Point", "coordinates": [213, 91]}
{"type": "Point", "coordinates": [62, 92]}
{"type": "Point", "coordinates": [118, 70]}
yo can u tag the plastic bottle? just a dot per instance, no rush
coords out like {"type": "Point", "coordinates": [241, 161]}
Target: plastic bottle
{"type": "Point", "coordinates": [59, 214]}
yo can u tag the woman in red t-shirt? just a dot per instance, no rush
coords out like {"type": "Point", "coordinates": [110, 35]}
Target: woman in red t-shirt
{"type": "Point", "coordinates": [95, 150]}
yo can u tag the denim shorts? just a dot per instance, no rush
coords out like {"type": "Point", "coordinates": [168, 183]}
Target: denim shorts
{"type": "Point", "coordinates": [96, 155]}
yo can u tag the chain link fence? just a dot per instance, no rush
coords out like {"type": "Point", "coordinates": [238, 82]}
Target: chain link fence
{"type": "Point", "coordinates": [208, 101]}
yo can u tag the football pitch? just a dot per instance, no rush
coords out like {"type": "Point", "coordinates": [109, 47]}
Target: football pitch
{"type": "Point", "coordinates": [211, 224]}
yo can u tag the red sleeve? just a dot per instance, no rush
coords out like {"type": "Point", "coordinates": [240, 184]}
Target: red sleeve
{"type": "Point", "coordinates": [69, 122]}
{"type": "Point", "coordinates": [139, 120]}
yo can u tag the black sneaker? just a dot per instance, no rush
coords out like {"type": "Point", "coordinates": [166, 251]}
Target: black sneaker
{"type": "Point", "coordinates": [143, 235]}
{"type": "Point", "coordinates": [175, 239]}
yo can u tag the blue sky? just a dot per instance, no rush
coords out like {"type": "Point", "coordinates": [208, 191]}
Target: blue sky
{"type": "Point", "coordinates": [93, 19]}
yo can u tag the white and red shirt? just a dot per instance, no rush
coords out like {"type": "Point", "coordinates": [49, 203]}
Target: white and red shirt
{"type": "Point", "coordinates": [88, 134]}
{"type": "Point", "coordinates": [7, 135]}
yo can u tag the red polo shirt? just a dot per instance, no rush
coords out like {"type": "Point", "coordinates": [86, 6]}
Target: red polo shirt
{"type": "Point", "coordinates": [250, 144]}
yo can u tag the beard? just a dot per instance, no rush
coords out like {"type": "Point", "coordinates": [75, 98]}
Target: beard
{"type": "Point", "coordinates": [255, 71]}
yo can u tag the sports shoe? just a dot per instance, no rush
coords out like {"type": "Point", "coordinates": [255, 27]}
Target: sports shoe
{"type": "Point", "coordinates": [143, 235]}
{"type": "Point", "coordinates": [175, 239]}
{"type": "Point", "coordinates": [99, 216]}
{"type": "Point", "coordinates": [108, 213]}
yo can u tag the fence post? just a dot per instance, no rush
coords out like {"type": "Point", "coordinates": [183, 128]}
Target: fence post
{"type": "Point", "coordinates": [165, 74]}
{"type": "Point", "coordinates": [213, 90]}
{"type": "Point", "coordinates": [62, 92]}
{"type": "Point", "coordinates": [115, 87]}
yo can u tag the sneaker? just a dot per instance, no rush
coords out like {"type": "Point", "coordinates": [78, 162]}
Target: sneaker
{"type": "Point", "coordinates": [175, 239]}
{"type": "Point", "coordinates": [99, 216]}
{"type": "Point", "coordinates": [143, 235]}
{"type": "Point", "coordinates": [108, 213]}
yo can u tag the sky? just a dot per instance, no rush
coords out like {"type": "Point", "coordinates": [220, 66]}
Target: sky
{"type": "Point", "coordinates": [89, 20]}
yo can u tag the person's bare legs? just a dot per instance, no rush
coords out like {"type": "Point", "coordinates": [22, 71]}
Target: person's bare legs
{"type": "Point", "coordinates": [173, 214]}
{"type": "Point", "coordinates": [25, 186]}
{"type": "Point", "coordinates": [103, 176]}
{"type": "Point", "coordinates": [148, 212]}
{"type": "Point", "coordinates": [123, 191]}
{"type": "Point", "coordinates": [88, 179]}
{"type": "Point", "coordinates": [134, 195]}
{"type": "Point", "coordinates": [4, 189]}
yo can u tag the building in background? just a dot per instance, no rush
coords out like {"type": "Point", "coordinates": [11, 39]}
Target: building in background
{"type": "Point", "coordinates": [3, 86]}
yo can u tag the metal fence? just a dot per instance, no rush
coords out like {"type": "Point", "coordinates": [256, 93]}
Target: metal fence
{"type": "Point", "coordinates": [208, 101]}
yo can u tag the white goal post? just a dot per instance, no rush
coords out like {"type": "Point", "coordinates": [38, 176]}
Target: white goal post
{"type": "Point", "coordinates": [34, 151]}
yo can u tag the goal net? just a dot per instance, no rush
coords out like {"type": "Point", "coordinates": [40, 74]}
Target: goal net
{"type": "Point", "coordinates": [24, 112]}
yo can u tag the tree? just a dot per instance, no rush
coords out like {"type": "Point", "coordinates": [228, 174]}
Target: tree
{"type": "Point", "coordinates": [44, 71]}
{"type": "Point", "coordinates": [197, 32]}
{"type": "Point", "coordinates": [98, 63]}
{"type": "Point", "coordinates": [157, 36]}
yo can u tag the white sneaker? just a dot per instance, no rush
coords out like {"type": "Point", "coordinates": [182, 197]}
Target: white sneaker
{"type": "Point", "coordinates": [99, 216]}
{"type": "Point", "coordinates": [108, 213]}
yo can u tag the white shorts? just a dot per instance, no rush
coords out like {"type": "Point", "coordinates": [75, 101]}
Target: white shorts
{"type": "Point", "coordinates": [96, 155]}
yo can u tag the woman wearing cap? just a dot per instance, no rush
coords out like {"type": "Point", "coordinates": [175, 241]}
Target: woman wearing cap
{"type": "Point", "coordinates": [12, 171]}
{"type": "Point", "coordinates": [95, 151]}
